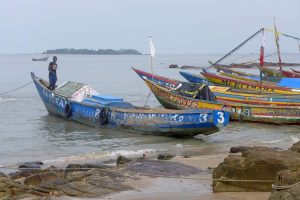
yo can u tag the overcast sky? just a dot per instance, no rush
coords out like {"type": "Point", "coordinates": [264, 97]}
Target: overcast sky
{"type": "Point", "coordinates": [176, 26]}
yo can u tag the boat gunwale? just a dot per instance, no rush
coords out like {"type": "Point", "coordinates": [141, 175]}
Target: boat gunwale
{"type": "Point", "coordinates": [136, 109]}
{"type": "Point", "coordinates": [249, 82]}
{"type": "Point", "coordinates": [166, 89]}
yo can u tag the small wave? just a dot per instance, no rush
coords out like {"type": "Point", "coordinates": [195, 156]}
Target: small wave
{"type": "Point", "coordinates": [294, 139]}
{"type": "Point", "coordinates": [257, 142]}
{"type": "Point", "coordinates": [271, 142]}
{"type": "Point", "coordinates": [179, 145]}
{"type": "Point", "coordinates": [101, 155]}
{"type": "Point", "coordinates": [130, 153]}
{"type": "Point", "coordinates": [88, 156]}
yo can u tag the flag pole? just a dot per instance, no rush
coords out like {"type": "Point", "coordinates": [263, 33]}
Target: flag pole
{"type": "Point", "coordinates": [277, 46]}
{"type": "Point", "coordinates": [151, 55]}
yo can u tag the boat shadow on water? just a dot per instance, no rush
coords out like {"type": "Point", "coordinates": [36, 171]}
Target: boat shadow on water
{"type": "Point", "coordinates": [59, 131]}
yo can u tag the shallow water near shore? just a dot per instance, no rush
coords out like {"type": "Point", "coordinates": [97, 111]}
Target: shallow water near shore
{"type": "Point", "coordinates": [28, 132]}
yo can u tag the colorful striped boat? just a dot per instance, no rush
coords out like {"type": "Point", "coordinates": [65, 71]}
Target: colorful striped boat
{"type": "Point", "coordinates": [247, 84]}
{"type": "Point", "coordinates": [277, 73]}
{"type": "Point", "coordinates": [229, 94]}
{"type": "Point", "coordinates": [242, 112]}
{"type": "Point", "coordinates": [266, 80]}
{"type": "Point", "coordinates": [80, 103]}
{"type": "Point", "coordinates": [296, 71]}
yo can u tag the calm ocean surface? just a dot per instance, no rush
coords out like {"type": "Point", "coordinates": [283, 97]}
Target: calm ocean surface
{"type": "Point", "coordinates": [29, 133]}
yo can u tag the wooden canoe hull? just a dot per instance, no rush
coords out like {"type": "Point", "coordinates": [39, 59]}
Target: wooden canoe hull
{"type": "Point", "coordinates": [248, 85]}
{"type": "Point", "coordinates": [40, 59]}
{"type": "Point", "coordinates": [277, 73]}
{"type": "Point", "coordinates": [241, 112]}
{"type": "Point", "coordinates": [164, 122]}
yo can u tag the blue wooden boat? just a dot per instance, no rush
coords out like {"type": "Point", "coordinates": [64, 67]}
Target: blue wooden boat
{"type": "Point", "coordinates": [81, 103]}
{"type": "Point", "coordinates": [194, 78]}
{"type": "Point", "coordinates": [40, 59]}
{"type": "Point", "coordinates": [281, 82]}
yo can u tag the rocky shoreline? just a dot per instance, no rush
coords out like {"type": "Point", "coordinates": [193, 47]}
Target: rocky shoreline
{"type": "Point", "coordinates": [243, 170]}
{"type": "Point", "coordinates": [85, 180]}
{"type": "Point", "coordinates": [260, 169]}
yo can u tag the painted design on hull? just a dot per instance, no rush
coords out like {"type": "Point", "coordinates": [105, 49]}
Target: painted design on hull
{"type": "Point", "coordinates": [118, 114]}
{"type": "Point", "coordinates": [244, 112]}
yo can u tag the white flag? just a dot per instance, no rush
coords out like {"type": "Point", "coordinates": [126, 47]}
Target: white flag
{"type": "Point", "coordinates": [152, 48]}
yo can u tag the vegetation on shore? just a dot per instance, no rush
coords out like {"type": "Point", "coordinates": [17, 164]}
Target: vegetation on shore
{"type": "Point", "coordinates": [94, 52]}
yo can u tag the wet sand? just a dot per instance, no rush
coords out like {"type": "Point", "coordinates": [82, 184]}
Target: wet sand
{"type": "Point", "coordinates": [197, 186]}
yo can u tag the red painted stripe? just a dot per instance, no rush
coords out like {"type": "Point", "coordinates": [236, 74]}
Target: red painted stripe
{"type": "Point", "coordinates": [290, 74]}
{"type": "Point", "coordinates": [246, 83]}
{"type": "Point", "coordinates": [171, 81]}
{"type": "Point", "coordinates": [220, 99]}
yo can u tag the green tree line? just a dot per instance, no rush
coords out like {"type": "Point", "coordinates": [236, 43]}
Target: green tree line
{"type": "Point", "coordinates": [94, 52]}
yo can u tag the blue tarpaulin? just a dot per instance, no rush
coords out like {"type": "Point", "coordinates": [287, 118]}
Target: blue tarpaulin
{"type": "Point", "coordinates": [290, 82]}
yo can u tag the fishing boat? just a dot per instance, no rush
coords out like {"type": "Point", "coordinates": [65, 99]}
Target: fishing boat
{"type": "Point", "coordinates": [243, 83]}
{"type": "Point", "coordinates": [81, 103]}
{"type": "Point", "coordinates": [40, 59]}
{"type": "Point", "coordinates": [222, 93]}
{"type": "Point", "coordinates": [170, 98]}
{"type": "Point", "coordinates": [266, 79]}
{"type": "Point", "coordinates": [296, 71]}
{"type": "Point", "coordinates": [194, 79]}
{"type": "Point", "coordinates": [272, 83]}
{"type": "Point", "coordinates": [282, 73]}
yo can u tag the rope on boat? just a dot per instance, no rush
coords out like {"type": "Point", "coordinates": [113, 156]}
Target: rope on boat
{"type": "Point", "coordinates": [284, 187]}
{"type": "Point", "coordinates": [266, 56]}
{"type": "Point", "coordinates": [243, 56]}
{"type": "Point", "coordinates": [141, 99]}
{"type": "Point", "coordinates": [283, 34]}
{"type": "Point", "coordinates": [16, 88]}
{"type": "Point", "coordinates": [147, 98]}
{"type": "Point", "coordinates": [236, 48]}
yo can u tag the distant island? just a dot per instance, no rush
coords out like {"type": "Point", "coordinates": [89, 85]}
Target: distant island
{"type": "Point", "coordinates": [94, 52]}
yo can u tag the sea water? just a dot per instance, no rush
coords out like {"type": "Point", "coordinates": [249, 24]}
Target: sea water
{"type": "Point", "coordinates": [29, 133]}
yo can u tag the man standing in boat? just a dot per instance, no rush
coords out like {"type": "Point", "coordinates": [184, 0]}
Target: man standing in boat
{"type": "Point", "coordinates": [52, 73]}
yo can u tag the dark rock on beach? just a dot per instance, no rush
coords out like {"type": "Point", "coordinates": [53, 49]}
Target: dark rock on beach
{"type": "Point", "coordinates": [87, 180]}
{"type": "Point", "coordinates": [291, 193]}
{"type": "Point", "coordinates": [190, 67]}
{"type": "Point", "coordinates": [31, 165]}
{"type": "Point", "coordinates": [263, 166]}
{"type": "Point", "coordinates": [162, 168]}
{"type": "Point", "coordinates": [165, 156]}
{"type": "Point", "coordinates": [296, 147]}
{"type": "Point", "coordinates": [121, 160]}
{"type": "Point", "coordinates": [92, 183]}
{"type": "Point", "coordinates": [44, 183]}
{"type": "Point", "coordinates": [173, 66]}
{"type": "Point", "coordinates": [85, 167]}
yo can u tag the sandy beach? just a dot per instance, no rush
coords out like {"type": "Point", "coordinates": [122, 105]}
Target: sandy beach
{"type": "Point", "coordinates": [192, 187]}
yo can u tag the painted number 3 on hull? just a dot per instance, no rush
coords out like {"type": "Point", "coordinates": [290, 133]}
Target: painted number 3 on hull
{"type": "Point", "coordinates": [203, 118]}
{"type": "Point", "coordinates": [221, 118]}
